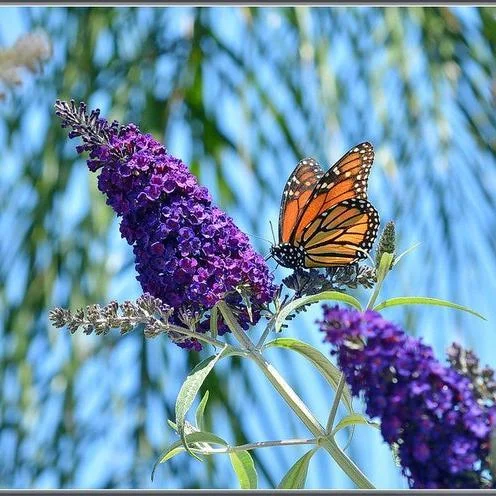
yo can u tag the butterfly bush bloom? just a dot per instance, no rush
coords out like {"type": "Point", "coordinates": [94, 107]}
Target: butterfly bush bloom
{"type": "Point", "coordinates": [188, 252]}
{"type": "Point", "coordinates": [427, 409]}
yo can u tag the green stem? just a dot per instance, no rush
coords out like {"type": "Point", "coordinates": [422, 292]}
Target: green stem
{"type": "Point", "coordinates": [263, 337]}
{"type": "Point", "coordinates": [197, 335]}
{"type": "Point", "coordinates": [295, 402]}
{"type": "Point", "coordinates": [262, 444]}
{"type": "Point", "coordinates": [335, 404]}
{"type": "Point", "coordinates": [382, 271]}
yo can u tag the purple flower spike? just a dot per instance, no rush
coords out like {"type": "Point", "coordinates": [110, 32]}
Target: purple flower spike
{"type": "Point", "coordinates": [429, 410]}
{"type": "Point", "coordinates": [189, 253]}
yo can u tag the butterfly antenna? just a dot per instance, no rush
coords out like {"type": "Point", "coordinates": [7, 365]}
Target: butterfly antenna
{"type": "Point", "coordinates": [260, 237]}
{"type": "Point", "coordinates": [272, 229]}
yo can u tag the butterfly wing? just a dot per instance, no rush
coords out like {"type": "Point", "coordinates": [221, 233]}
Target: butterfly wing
{"type": "Point", "coordinates": [345, 180]}
{"type": "Point", "coordinates": [299, 187]}
{"type": "Point", "coordinates": [340, 235]}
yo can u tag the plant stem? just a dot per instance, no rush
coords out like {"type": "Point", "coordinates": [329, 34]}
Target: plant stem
{"type": "Point", "coordinates": [335, 404]}
{"type": "Point", "coordinates": [307, 417]}
{"type": "Point", "coordinates": [266, 332]}
{"type": "Point", "coordinates": [382, 271]}
{"type": "Point", "coordinates": [295, 402]}
{"type": "Point", "coordinates": [197, 335]}
{"type": "Point", "coordinates": [263, 444]}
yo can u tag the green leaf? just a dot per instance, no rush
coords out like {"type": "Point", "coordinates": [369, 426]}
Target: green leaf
{"type": "Point", "coordinates": [423, 300]}
{"type": "Point", "coordinates": [245, 296]}
{"type": "Point", "coordinates": [201, 410]}
{"type": "Point", "coordinates": [200, 439]}
{"type": "Point", "coordinates": [382, 270]}
{"type": "Point", "coordinates": [406, 252]}
{"type": "Point", "coordinates": [190, 388]}
{"type": "Point", "coordinates": [244, 467]}
{"type": "Point", "coordinates": [351, 420]}
{"type": "Point", "coordinates": [171, 452]}
{"type": "Point", "coordinates": [172, 424]}
{"type": "Point", "coordinates": [306, 300]}
{"type": "Point", "coordinates": [328, 370]}
{"type": "Point", "coordinates": [296, 476]}
{"type": "Point", "coordinates": [214, 314]}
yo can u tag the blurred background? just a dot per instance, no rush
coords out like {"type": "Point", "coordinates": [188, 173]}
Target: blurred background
{"type": "Point", "coordinates": [240, 94]}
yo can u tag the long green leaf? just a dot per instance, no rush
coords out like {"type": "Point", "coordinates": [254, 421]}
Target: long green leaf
{"type": "Point", "coordinates": [424, 300]}
{"type": "Point", "coordinates": [296, 476]}
{"type": "Point", "coordinates": [306, 300]}
{"type": "Point", "coordinates": [328, 370]}
{"type": "Point", "coordinates": [200, 411]}
{"type": "Point", "coordinates": [214, 314]}
{"type": "Point", "coordinates": [179, 446]}
{"type": "Point", "coordinates": [351, 420]}
{"type": "Point", "coordinates": [189, 390]}
{"type": "Point", "coordinates": [244, 467]}
{"type": "Point", "coordinates": [406, 252]}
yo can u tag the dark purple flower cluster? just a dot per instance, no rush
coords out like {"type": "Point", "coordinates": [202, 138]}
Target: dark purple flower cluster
{"type": "Point", "coordinates": [189, 253]}
{"type": "Point", "coordinates": [427, 409]}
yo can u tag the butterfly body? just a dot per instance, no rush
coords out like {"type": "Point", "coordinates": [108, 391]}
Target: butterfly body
{"type": "Point", "coordinates": [288, 255]}
{"type": "Point", "coordinates": [325, 218]}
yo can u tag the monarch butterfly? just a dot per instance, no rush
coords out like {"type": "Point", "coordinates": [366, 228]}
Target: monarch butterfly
{"type": "Point", "coordinates": [325, 219]}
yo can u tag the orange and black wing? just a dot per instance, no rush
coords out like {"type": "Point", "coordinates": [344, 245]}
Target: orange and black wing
{"type": "Point", "coordinates": [299, 187]}
{"type": "Point", "coordinates": [345, 180]}
{"type": "Point", "coordinates": [340, 235]}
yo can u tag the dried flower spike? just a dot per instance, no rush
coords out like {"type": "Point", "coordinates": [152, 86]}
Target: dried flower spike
{"type": "Point", "coordinates": [309, 282]}
{"type": "Point", "coordinates": [147, 310]}
{"type": "Point", "coordinates": [28, 52]}
{"type": "Point", "coordinates": [482, 379]}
